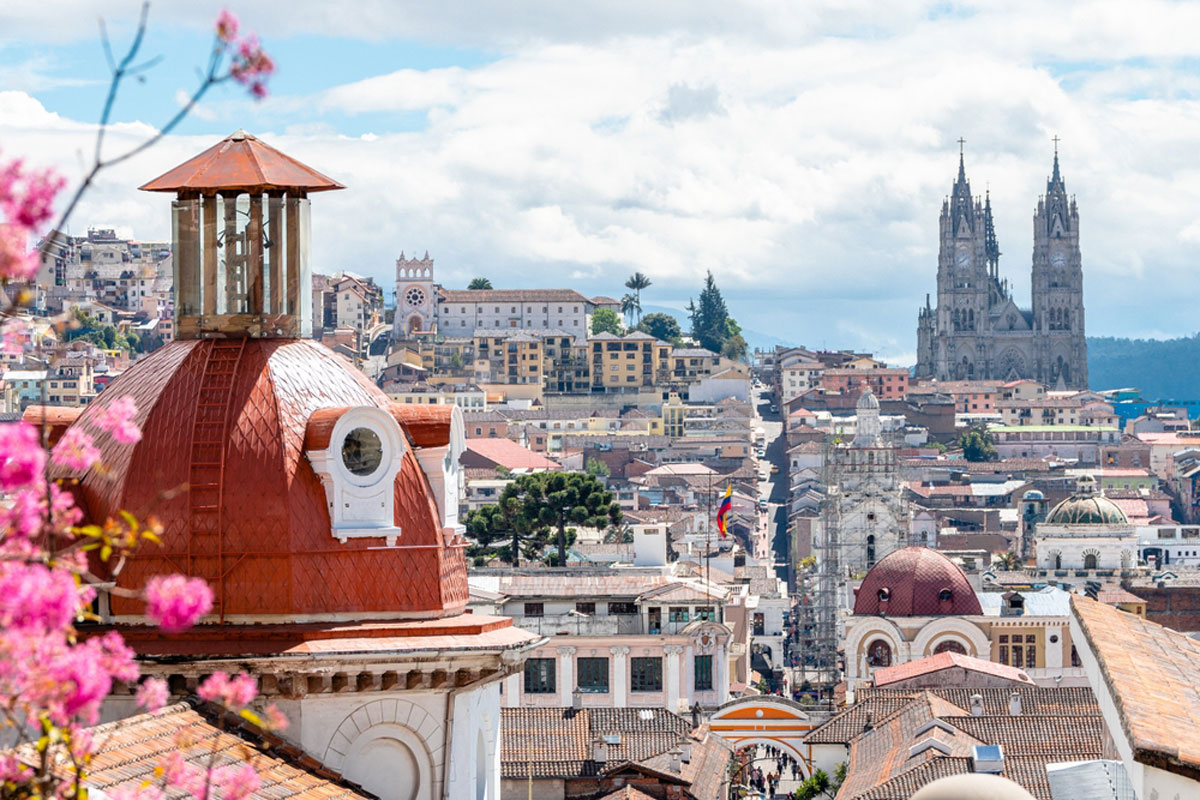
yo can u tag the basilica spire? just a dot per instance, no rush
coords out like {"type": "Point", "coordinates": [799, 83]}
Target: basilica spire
{"type": "Point", "coordinates": [991, 246]}
{"type": "Point", "coordinates": [1055, 185]}
{"type": "Point", "coordinates": [961, 206]}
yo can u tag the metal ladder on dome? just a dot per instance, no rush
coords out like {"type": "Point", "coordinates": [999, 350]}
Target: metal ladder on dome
{"type": "Point", "coordinates": [206, 471]}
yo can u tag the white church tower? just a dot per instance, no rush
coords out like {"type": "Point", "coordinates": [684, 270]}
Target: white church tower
{"type": "Point", "coordinates": [416, 298]}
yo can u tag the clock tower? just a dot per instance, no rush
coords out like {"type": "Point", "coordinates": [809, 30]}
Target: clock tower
{"type": "Point", "coordinates": [1057, 280]}
{"type": "Point", "coordinates": [965, 283]}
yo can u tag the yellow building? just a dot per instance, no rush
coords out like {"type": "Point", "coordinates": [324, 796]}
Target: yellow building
{"type": "Point", "coordinates": [631, 361]}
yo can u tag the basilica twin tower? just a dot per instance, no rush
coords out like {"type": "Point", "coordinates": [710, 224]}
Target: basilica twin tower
{"type": "Point", "coordinates": [976, 331]}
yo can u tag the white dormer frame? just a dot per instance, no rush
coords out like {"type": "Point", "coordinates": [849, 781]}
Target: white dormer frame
{"type": "Point", "coordinates": [361, 505]}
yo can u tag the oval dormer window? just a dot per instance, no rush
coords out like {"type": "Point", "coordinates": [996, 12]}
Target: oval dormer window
{"type": "Point", "coordinates": [362, 451]}
{"type": "Point", "coordinates": [944, 595]}
{"type": "Point", "coordinates": [884, 594]}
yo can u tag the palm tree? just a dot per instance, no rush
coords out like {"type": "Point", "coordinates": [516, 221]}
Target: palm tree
{"type": "Point", "coordinates": [1007, 562]}
{"type": "Point", "coordinates": [637, 281]}
{"type": "Point", "coordinates": [629, 304]}
{"type": "Point", "coordinates": [479, 283]}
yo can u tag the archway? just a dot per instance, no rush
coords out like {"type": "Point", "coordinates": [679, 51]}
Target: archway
{"type": "Point", "coordinates": [766, 720]}
{"type": "Point", "coordinates": [414, 323]}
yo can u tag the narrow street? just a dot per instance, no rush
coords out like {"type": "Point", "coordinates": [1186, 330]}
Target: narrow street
{"type": "Point", "coordinates": [775, 488]}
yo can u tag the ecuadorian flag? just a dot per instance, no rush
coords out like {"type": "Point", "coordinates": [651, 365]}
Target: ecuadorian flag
{"type": "Point", "coordinates": [726, 506]}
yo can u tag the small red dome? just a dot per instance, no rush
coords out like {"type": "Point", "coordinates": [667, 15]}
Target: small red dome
{"type": "Point", "coordinates": [916, 582]}
{"type": "Point", "coordinates": [222, 465]}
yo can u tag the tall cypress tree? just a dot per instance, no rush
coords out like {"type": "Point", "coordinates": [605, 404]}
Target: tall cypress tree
{"type": "Point", "coordinates": [708, 316]}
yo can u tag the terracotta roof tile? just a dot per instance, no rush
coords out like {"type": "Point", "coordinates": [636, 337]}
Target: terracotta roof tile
{"type": "Point", "coordinates": [1152, 673]}
{"type": "Point", "coordinates": [129, 750]}
{"type": "Point", "coordinates": [941, 661]}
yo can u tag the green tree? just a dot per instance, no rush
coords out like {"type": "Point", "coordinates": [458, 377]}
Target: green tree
{"type": "Point", "coordinates": [734, 347]}
{"type": "Point", "coordinates": [710, 317]}
{"type": "Point", "coordinates": [977, 445]}
{"type": "Point", "coordinates": [110, 337]}
{"type": "Point", "coordinates": [637, 281]}
{"type": "Point", "coordinates": [507, 522]}
{"type": "Point", "coordinates": [661, 326]}
{"type": "Point", "coordinates": [479, 283]}
{"type": "Point", "coordinates": [456, 362]}
{"type": "Point", "coordinates": [606, 321]}
{"type": "Point", "coordinates": [629, 304]}
{"type": "Point", "coordinates": [597, 468]}
{"type": "Point", "coordinates": [1007, 562]}
{"type": "Point", "coordinates": [819, 784]}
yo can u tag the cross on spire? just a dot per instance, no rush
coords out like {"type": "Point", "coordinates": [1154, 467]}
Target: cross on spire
{"type": "Point", "coordinates": [961, 142]}
{"type": "Point", "coordinates": [1056, 140]}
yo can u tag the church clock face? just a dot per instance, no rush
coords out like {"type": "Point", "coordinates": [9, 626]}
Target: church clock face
{"type": "Point", "coordinates": [414, 297]}
{"type": "Point", "coordinates": [1058, 260]}
{"type": "Point", "coordinates": [963, 256]}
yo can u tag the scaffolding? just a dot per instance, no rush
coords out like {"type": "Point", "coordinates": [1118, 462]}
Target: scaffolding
{"type": "Point", "coordinates": [823, 585]}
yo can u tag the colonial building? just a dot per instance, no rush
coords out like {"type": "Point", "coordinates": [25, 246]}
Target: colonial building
{"type": "Point", "coordinates": [917, 603]}
{"type": "Point", "coordinates": [323, 516]}
{"type": "Point", "coordinates": [976, 330]}
{"type": "Point", "coordinates": [1085, 533]}
{"type": "Point", "coordinates": [874, 517]}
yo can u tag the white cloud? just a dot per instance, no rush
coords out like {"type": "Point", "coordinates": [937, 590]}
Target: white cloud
{"type": "Point", "coordinates": [801, 152]}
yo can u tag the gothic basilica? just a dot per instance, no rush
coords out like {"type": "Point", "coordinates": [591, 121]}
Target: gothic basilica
{"type": "Point", "coordinates": [976, 331]}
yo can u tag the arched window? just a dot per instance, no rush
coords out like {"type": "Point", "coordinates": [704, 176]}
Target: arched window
{"type": "Point", "coordinates": [870, 551]}
{"type": "Point", "coordinates": [1058, 560]}
{"type": "Point", "coordinates": [950, 646]}
{"type": "Point", "coordinates": [1090, 561]}
{"type": "Point", "coordinates": [879, 654]}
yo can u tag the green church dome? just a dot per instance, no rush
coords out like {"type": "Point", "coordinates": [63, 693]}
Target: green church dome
{"type": "Point", "coordinates": [1086, 507]}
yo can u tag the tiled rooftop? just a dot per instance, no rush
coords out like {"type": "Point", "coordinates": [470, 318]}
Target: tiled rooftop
{"type": "Point", "coordinates": [129, 750]}
{"type": "Point", "coordinates": [1152, 673]}
{"type": "Point", "coordinates": [941, 661]}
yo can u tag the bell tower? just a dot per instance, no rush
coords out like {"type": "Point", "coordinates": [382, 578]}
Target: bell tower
{"type": "Point", "coordinates": [1057, 278]}
{"type": "Point", "coordinates": [416, 301]}
{"type": "Point", "coordinates": [242, 241]}
{"type": "Point", "coordinates": [964, 269]}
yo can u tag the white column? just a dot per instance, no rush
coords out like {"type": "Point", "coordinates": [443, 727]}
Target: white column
{"type": "Point", "coordinates": [689, 675]}
{"type": "Point", "coordinates": [722, 666]}
{"type": "Point", "coordinates": [620, 676]}
{"type": "Point", "coordinates": [1054, 652]}
{"type": "Point", "coordinates": [512, 690]}
{"type": "Point", "coordinates": [672, 652]}
{"type": "Point", "coordinates": [566, 675]}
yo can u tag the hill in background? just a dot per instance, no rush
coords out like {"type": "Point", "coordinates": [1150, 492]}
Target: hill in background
{"type": "Point", "coordinates": [1162, 369]}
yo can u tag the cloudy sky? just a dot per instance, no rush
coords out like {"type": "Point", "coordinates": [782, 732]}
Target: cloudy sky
{"type": "Point", "coordinates": [800, 151]}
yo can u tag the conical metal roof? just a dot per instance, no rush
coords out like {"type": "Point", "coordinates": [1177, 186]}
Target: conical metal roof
{"type": "Point", "coordinates": [243, 162]}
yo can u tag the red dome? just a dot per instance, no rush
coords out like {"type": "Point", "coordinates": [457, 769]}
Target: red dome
{"type": "Point", "coordinates": [916, 582]}
{"type": "Point", "coordinates": [257, 525]}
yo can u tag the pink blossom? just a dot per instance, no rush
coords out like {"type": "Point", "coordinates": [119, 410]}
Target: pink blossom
{"type": "Point", "coordinates": [22, 517]}
{"type": "Point", "coordinates": [135, 791]}
{"type": "Point", "coordinates": [176, 602]}
{"type": "Point", "coordinates": [63, 511]}
{"type": "Point", "coordinates": [274, 718]}
{"type": "Point", "coordinates": [17, 262]}
{"type": "Point", "coordinates": [22, 458]}
{"type": "Point", "coordinates": [116, 417]}
{"type": "Point", "coordinates": [251, 66]}
{"type": "Point", "coordinates": [236, 692]}
{"type": "Point", "coordinates": [75, 450]}
{"type": "Point", "coordinates": [152, 694]}
{"type": "Point", "coordinates": [11, 768]}
{"type": "Point", "coordinates": [236, 782]}
{"type": "Point", "coordinates": [30, 206]}
{"type": "Point", "coordinates": [227, 26]}
{"type": "Point", "coordinates": [179, 774]}
{"type": "Point", "coordinates": [33, 596]}
{"type": "Point", "coordinates": [14, 332]}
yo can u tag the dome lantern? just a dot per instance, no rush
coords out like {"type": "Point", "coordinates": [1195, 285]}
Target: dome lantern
{"type": "Point", "coordinates": [242, 240]}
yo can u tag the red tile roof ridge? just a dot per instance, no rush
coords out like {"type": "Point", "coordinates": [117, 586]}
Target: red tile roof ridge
{"type": "Point", "coordinates": [946, 660]}
{"type": "Point", "coordinates": [1134, 653]}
